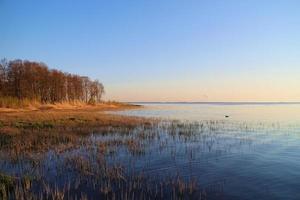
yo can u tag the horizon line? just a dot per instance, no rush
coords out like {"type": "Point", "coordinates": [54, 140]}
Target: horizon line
{"type": "Point", "coordinates": [220, 102]}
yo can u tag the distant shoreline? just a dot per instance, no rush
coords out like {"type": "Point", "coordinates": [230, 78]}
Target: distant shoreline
{"type": "Point", "coordinates": [217, 103]}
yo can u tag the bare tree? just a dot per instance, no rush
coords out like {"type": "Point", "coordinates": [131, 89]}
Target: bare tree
{"type": "Point", "coordinates": [3, 69]}
{"type": "Point", "coordinates": [33, 80]}
{"type": "Point", "coordinates": [96, 91]}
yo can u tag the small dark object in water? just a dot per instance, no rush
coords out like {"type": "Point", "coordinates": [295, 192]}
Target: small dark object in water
{"type": "Point", "coordinates": [226, 116]}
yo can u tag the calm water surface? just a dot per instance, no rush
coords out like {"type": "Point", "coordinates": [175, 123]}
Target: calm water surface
{"type": "Point", "coordinates": [244, 112]}
{"type": "Point", "coordinates": [252, 154]}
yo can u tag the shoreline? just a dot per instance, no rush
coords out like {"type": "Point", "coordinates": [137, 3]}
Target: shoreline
{"type": "Point", "coordinates": [78, 118]}
{"type": "Point", "coordinates": [72, 107]}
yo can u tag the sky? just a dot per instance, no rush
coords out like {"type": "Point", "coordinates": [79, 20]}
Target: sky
{"type": "Point", "coordinates": [170, 50]}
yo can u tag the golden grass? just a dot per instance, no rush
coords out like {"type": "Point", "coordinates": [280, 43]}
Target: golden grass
{"type": "Point", "coordinates": [9, 104]}
{"type": "Point", "coordinates": [73, 116]}
{"type": "Point", "coordinates": [39, 130]}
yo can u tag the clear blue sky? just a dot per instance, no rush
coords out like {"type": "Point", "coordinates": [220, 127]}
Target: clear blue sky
{"type": "Point", "coordinates": [223, 50]}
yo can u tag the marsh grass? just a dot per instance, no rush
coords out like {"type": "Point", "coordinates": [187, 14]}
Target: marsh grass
{"type": "Point", "coordinates": [93, 155]}
{"type": "Point", "coordinates": [12, 102]}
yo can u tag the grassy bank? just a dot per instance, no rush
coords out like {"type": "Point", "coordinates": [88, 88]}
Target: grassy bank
{"type": "Point", "coordinates": [39, 129]}
{"type": "Point", "coordinates": [57, 117]}
{"type": "Point", "coordinates": [11, 104]}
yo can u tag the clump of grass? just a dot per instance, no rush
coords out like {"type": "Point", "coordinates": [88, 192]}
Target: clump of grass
{"type": "Point", "coordinates": [135, 147]}
{"type": "Point", "coordinates": [34, 125]}
{"type": "Point", "coordinates": [5, 140]}
{"type": "Point", "coordinates": [6, 180]}
{"type": "Point", "coordinates": [13, 102]}
{"type": "Point", "coordinates": [6, 185]}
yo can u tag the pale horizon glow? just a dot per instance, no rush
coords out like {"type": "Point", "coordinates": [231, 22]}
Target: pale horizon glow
{"type": "Point", "coordinates": [237, 51]}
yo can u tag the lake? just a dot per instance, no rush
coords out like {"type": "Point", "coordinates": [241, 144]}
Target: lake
{"type": "Point", "coordinates": [252, 154]}
{"type": "Point", "coordinates": [244, 112]}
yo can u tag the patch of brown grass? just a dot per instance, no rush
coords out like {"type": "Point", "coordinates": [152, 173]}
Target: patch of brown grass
{"type": "Point", "coordinates": [65, 106]}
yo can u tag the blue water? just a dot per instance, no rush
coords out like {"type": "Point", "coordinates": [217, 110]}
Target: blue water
{"type": "Point", "coordinates": [253, 153]}
{"type": "Point", "coordinates": [244, 112]}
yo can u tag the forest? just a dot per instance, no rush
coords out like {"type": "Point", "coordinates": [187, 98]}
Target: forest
{"type": "Point", "coordinates": [23, 79]}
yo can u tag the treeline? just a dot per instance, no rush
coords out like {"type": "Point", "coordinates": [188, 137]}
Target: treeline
{"type": "Point", "coordinates": [24, 79]}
